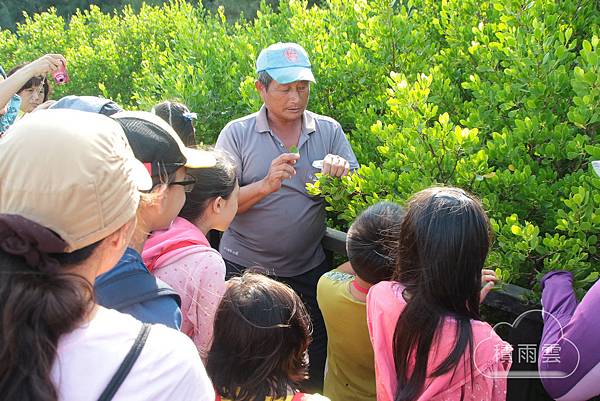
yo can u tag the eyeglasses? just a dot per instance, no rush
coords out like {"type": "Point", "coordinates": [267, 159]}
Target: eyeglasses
{"type": "Point", "coordinates": [187, 183]}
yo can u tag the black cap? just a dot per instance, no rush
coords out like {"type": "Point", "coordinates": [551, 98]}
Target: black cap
{"type": "Point", "coordinates": [156, 144]}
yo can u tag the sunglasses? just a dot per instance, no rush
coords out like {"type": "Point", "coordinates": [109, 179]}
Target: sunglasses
{"type": "Point", "coordinates": [187, 183]}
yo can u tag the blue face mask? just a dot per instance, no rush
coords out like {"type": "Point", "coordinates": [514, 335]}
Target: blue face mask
{"type": "Point", "coordinates": [8, 118]}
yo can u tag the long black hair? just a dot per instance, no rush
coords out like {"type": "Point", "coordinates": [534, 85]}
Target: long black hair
{"type": "Point", "coordinates": [38, 304]}
{"type": "Point", "coordinates": [260, 341]}
{"type": "Point", "coordinates": [443, 243]}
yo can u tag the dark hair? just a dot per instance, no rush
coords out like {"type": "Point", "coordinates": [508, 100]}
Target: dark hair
{"type": "Point", "coordinates": [372, 241]}
{"type": "Point", "coordinates": [33, 81]}
{"type": "Point", "coordinates": [265, 79]}
{"type": "Point", "coordinates": [261, 335]}
{"type": "Point", "coordinates": [443, 243]}
{"type": "Point", "coordinates": [38, 307]}
{"type": "Point", "coordinates": [211, 182]}
{"type": "Point", "coordinates": [47, 90]}
{"type": "Point", "coordinates": [176, 114]}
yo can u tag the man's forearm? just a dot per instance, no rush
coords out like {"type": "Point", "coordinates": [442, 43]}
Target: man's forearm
{"type": "Point", "coordinates": [250, 195]}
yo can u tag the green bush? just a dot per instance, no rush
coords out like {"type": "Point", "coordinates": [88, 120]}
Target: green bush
{"type": "Point", "coordinates": [498, 97]}
{"type": "Point", "coordinates": [11, 11]}
{"type": "Point", "coordinates": [520, 82]}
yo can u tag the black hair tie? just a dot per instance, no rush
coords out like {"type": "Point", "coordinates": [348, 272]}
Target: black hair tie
{"type": "Point", "coordinates": [31, 241]}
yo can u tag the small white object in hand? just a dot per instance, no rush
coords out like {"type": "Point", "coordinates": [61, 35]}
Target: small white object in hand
{"type": "Point", "coordinates": [318, 164]}
{"type": "Point", "coordinates": [595, 165]}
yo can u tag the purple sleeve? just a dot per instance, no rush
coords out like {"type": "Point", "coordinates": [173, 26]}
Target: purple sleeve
{"type": "Point", "coordinates": [559, 303]}
{"type": "Point", "coordinates": [568, 349]}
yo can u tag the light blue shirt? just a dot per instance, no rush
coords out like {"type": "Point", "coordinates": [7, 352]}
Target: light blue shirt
{"type": "Point", "coordinates": [8, 118]}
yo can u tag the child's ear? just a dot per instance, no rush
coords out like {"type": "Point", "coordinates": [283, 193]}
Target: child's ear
{"type": "Point", "coordinates": [218, 204]}
{"type": "Point", "coordinates": [118, 238]}
{"type": "Point", "coordinates": [159, 198]}
{"type": "Point", "coordinates": [125, 233]}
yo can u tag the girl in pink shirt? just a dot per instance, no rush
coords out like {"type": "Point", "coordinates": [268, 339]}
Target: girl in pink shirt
{"type": "Point", "coordinates": [428, 339]}
{"type": "Point", "coordinates": [182, 256]}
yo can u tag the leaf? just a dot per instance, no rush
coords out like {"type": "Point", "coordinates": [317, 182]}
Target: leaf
{"type": "Point", "coordinates": [591, 278]}
{"type": "Point", "coordinates": [568, 34]}
{"type": "Point", "coordinates": [444, 118]}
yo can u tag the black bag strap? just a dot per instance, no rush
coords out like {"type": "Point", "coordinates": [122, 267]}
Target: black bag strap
{"type": "Point", "coordinates": [130, 288]}
{"type": "Point", "coordinates": [132, 356]}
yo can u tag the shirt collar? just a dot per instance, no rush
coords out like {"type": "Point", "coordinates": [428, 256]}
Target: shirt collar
{"type": "Point", "coordinates": [262, 123]}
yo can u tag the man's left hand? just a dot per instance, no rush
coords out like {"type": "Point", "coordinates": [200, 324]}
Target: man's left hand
{"type": "Point", "coordinates": [335, 166]}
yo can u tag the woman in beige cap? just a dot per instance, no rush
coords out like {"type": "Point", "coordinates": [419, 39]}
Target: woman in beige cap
{"type": "Point", "coordinates": [68, 199]}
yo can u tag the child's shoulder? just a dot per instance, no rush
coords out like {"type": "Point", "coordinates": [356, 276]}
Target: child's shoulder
{"type": "Point", "coordinates": [338, 276]}
{"type": "Point", "coordinates": [309, 397]}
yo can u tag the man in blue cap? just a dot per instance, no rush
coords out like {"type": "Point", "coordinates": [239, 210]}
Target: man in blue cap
{"type": "Point", "coordinates": [278, 150]}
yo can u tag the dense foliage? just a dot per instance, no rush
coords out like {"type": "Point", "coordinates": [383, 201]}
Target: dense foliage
{"type": "Point", "coordinates": [500, 97]}
{"type": "Point", "coordinates": [11, 11]}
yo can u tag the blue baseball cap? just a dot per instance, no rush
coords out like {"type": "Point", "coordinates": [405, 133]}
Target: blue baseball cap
{"type": "Point", "coordinates": [285, 63]}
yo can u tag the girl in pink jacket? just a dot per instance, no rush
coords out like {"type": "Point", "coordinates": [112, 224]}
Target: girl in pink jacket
{"type": "Point", "coordinates": [428, 338]}
{"type": "Point", "coordinates": [182, 256]}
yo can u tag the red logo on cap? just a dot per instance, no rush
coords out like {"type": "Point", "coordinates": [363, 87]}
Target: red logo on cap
{"type": "Point", "coordinates": [291, 54]}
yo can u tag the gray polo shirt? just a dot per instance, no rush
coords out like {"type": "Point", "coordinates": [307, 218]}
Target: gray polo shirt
{"type": "Point", "coordinates": [282, 233]}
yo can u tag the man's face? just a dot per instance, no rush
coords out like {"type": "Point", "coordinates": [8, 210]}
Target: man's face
{"type": "Point", "coordinates": [285, 101]}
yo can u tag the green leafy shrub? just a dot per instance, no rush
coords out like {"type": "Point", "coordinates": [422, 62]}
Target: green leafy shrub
{"type": "Point", "coordinates": [501, 98]}
{"type": "Point", "coordinates": [521, 80]}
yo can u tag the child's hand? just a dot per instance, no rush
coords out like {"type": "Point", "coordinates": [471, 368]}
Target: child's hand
{"type": "Point", "coordinates": [488, 280]}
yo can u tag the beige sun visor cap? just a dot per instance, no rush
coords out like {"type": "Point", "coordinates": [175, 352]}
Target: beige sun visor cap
{"type": "Point", "coordinates": [72, 172]}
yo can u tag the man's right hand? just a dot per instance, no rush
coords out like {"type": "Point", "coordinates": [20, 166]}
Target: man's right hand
{"type": "Point", "coordinates": [281, 169]}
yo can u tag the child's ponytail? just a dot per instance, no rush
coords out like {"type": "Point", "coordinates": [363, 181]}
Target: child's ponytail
{"type": "Point", "coordinates": [39, 303]}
